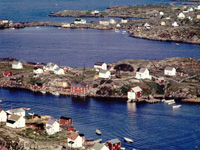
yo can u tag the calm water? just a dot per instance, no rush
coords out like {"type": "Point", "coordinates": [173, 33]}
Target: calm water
{"type": "Point", "coordinates": [155, 126]}
{"type": "Point", "coordinates": [78, 47]}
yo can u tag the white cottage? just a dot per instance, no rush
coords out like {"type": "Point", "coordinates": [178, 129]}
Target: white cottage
{"type": "Point", "coordinates": [3, 116]}
{"type": "Point", "coordinates": [52, 126]}
{"type": "Point", "coordinates": [112, 21]}
{"type": "Point", "coordinates": [175, 24]}
{"type": "Point", "coordinates": [38, 71]}
{"type": "Point", "coordinates": [79, 21]}
{"type": "Point", "coordinates": [104, 74]}
{"type": "Point", "coordinates": [181, 15]}
{"type": "Point", "coordinates": [15, 121]}
{"type": "Point", "coordinates": [74, 140]}
{"type": "Point", "coordinates": [124, 20]}
{"type": "Point", "coordinates": [134, 93]}
{"type": "Point", "coordinates": [170, 71]}
{"type": "Point", "coordinates": [50, 67]}
{"type": "Point", "coordinates": [100, 65]}
{"type": "Point", "coordinates": [99, 146]}
{"type": "Point", "coordinates": [59, 71]}
{"type": "Point", "coordinates": [17, 111]}
{"type": "Point", "coordinates": [142, 73]}
{"type": "Point", "coordinates": [17, 65]}
{"type": "Point", "coordinates": [104, 22]}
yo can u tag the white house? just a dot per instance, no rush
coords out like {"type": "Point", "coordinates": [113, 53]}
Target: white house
{"type": "Point", "coordinates": [170, 71]}
{"type": "Point", "coordinates": [50, 67]}
{"type": "Point", "coordinates": [134, 93]}
{"type": "Point", "coordinates": [104, 74]}
{"type": "Point", "coordinates": [52, 126]}
{"type": "Point", "coordinates": [100, 65]}
{"type": "Point", "coordinates": [118, 25]}
{"type": "Point", "coordinates": [175, 24]}
{"type": "Point", "coordinates": [38, 71]}
{"type": "Point", "coordinates": [79, 21]}
{"type": "Point", "coordinates": [112, 21]}
{"type": "Point", "coordinates": [15, 121]}
{"type": "Point", "coordinates": [181, 15]}
{"type": "Point", "coordinates": [124, 20]}
{"type": "Point", "coordinates": [74, 140]}
{"type": "Point", "coordinates": [17, 111]}
{"type": "Point", "coordinates": [142, 73]}
{"type": "Point", "coordinates": [104, 22]}
{"type": "Point", "coordinates": [59, 71]}
{"type": "Point", "coordinates": [17, 65]}
{"type": "Point", "coordinates": [146, 25]}
{"type": "Point", "coordinates": [99, 146]}
{"type": "Point", "coordinates": [161, 13]}
{"type": "Point", "coordinates": [3, 116]}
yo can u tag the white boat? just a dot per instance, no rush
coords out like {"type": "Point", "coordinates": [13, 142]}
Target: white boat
{"type": "Point", "coordinates": [128, 140]}
{"type": "Point", "coordinates": [1, 100]}
{"type": "Point", "coordinates": [123, 32]}
{"type": "Point", "coordinates": [176, 106]}
{"type": "Point", "coordinates": [116, 30]}
{"type": "Point", "coordinates": [163, 100]}
{"type": "Point", "coordinates": [171, 103]}
{"type": "Point", "coordinates": [98, 132]}
{"type": "Point", "coordinates": [55, 93]}
{"type": "Point", "coordinates": [26, 108]}
{"type": "Point", "coordinates": [31, 114]}
{"type": "Point", "coordinates": [122, 148]}
{"type": "Point", "coordinates": [43, 92]}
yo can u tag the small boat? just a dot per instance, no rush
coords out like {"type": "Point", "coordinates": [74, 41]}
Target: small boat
{"type": "Point", "coordinates": [116, 30]}
{"type": "Point", "coordinates": [31, 114]}
{"type": "Point", "coordinates": [1, 100]}
{"type": "Point", "coordinates": [163, 100]}
{"type": "Point", "coordinates": [128, 140]}
{"type": "Point", "coordinates": [176, 106]}
{"type": "Point", "coordinates": [98, 132]}
{"type": "Point", "coordinates": [55, 93]}
{"type": "Point", "coordinates": [43, 92]}
{"type": "Point", "coordinates": [171, 103]}
{"type": "Point", "coordinates": [123, 32]}
{"type": "Point", "coordinates": [122, 148]}
{"type": "Point", "coordinates": [25, 108]}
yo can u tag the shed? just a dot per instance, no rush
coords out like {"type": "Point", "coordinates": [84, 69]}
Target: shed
{"type": "Point", "coordinates": [114, 144]}
{"type": "Point", "coordinates": [170, 71]}
{"type": "Point", "coordinates": [100, 65]}
{"type": "Point", "coordinates": [79, 88]}
{"type": "Point", "coordinates": [65, 120]}
{"type": "Point", "coordinates": [134, 93]}
{"type": "Point", "coordinates": [17, 65]}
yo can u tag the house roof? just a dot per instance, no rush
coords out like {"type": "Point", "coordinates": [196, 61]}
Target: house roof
{"type": "Point", "coordinates": [141, 70]}
{"type": "Point", "coordinates": [66, 118]}
{"type": "Point", "coordinates": [114, 141]}
{"type": "Point", "coordinates": [57, 69]}
{"type": "Point", "coordinates": [73, 136]}
{"type": "Point", "coordinates": [103, 71]}
{"type": "Point", "coordinates": [14, 117]}
{"type": "Point", "coordinates": [169, 68]}
{"type": "Point", "coordinates": [17, 110]}
{"type": "Point", "coordinates": [99, 63]}
{"type": "Point", "coordinates": [98, 146]}
{"type": "Point", "coordinates": [15, 62]}
{"type": "Point", "coordinates": [79, 85]}
{"type": "Point", "coordinates": [51, 121]}
{"type": "Point", "coordinates": [136, 89]}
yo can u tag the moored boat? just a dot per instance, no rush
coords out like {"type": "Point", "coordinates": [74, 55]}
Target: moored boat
{"type": "Point", "coordinates": [26, 108]}
{"type": "Point", "coordinates": [43, 92]}
{"type": "Point", "coordinates": [55, 93]}
{"type": "Point", "coordinates": [171, 103]}
{"type": "Point", "coordinates": [122, 148]}
{"type": "Point", "coordinates": [176, 106]}
{"type": "Point", "coordinates": [128, 140]}
{"type": "Point", "coordinates": [98, 132]}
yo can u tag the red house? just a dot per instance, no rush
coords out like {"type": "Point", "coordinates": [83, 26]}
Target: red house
{"type": "Point", "coordinates": [65, 120]}
{"type": "Point", "coordinates": [113, 144]}
{"type": "Point", "coordinates": [7, 74]}
{"type": "Point", "coordinates": [38, 86]}
{"type": "Point", "coordinates": [79, 88]}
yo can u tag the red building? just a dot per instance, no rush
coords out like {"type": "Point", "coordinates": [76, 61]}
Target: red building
{"type": "Point", "coordinates": [79, 88]}
{"type": "Point", "coordinates": [7, 74]}
{"type": "Point", "coordinates": [38, 86]}
{"type": "Point", "coordinates": [65, 120]}
{"type": "Point", "coordinates": [113, 144]}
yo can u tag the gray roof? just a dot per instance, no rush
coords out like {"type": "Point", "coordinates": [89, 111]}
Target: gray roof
{"type": "Point", "coordinates": [98, 63]}
{"type": "Point", "coordinates": [79, 85]}
{"type": "Point", "coordinates": [103, 71]}
{"type": "Point", "coordinates": [17, 110]}
{"type": "Point", "coordinates": [14, 117]}
{"type": "Point", "coordinates": [169, 68]}
{"type": "Point", "coordinates": [98, 146]}
{"type": "Point", "coordinates": [51, 121]}
{"type": "Point", "coordinates": [142, 70]}
{"type": "Point", "coordinates": [113, 141]}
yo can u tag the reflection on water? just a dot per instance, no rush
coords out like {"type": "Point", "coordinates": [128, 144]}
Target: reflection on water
{"type": "Point", "coordinates": [131, 107]}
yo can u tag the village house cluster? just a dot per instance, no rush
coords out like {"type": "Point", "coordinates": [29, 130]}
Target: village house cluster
{"type": "Point", "coordinates": [16, 119]}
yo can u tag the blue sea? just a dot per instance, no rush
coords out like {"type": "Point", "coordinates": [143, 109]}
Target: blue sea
{"type": "Point", "coordinates": [151, 126]}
